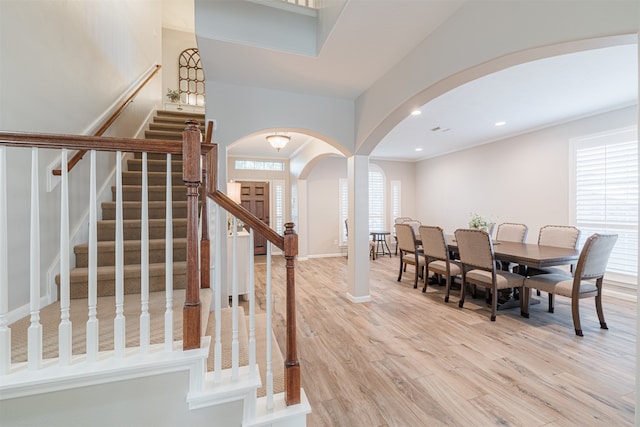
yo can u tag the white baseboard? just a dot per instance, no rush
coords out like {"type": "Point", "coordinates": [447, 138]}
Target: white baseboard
{"type": "Point", "coordinates": [366, 298]}
{"type": "Point", "coordinates": [334, 255]}
{"type": "Point", "coordinates": [25, 310]}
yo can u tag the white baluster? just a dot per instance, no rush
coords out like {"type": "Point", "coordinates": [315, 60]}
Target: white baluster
{"type": "Point", "coordinates": [168, 261]}
{"type": "Point", "coordinates": [35, 329]}
{"type": "Point", "coordinates": [235, 353]}
{"type": "Point", "coordinates": [145, 320]}
{"type": "Point", "coordinates": [269, 303]}
{"type": "Point", "coordinates": [92, 322]}
{"type": "Point", "coordinates": [119, 322]}
{"type": "Point", "coordinates": [252, 309]}
{"type": "Point", "coordinates": [65, 336]}
{"type": "Point", "coordinates": [5, 331]}
{"type": "Point", "coordinates": [217, 348]}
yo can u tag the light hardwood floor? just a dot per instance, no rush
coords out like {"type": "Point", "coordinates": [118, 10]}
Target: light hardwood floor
{"type": "Point", "coordinates": [410, 359]}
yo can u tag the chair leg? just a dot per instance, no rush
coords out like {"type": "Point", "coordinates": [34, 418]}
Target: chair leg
{"type": "Point", "coordinates": [400, 275]}
{"type": "Point", "coordinates": [524, 302]}
{"type": "Point", "coordinates": [415, 278]}
{"type": "Point", "coordinates": [551, 303]}
{"type": "Point", "coordinates": [494, 303]}
{"type": "Point", "coordinates": [603, 324]}
{"type": "Point", "coordinates": [426, 279]}
{"type": "Point", "coordinates": [447, 289]}
{"type": "Point", "coordinates": [462, 286]}
{"type": "Point", "coordinates": [575, 312]}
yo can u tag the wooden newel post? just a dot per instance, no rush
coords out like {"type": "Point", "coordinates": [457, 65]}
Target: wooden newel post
{"type": "Point", "coordinates": [205, 244]}
{"type": "Point", "coordinates": [291, 364]}
{"type": "Point", "coordinates": [191, 176]}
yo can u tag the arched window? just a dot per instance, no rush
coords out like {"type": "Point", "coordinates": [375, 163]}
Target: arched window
{"type": "Point", "coordinates": [191, 77]}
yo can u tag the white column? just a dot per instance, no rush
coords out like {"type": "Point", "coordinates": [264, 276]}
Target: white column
{"type": "Point", "coordinates": [145, 319]}
{"type": "Point", "coordinates": [358, 260]}
{"type": "Point", "coordinates": [119, 322]}
{"type": "Point", "coordinates": [92, 321]}
{"type": "Point", "coordinates": [65, 335]}
{"type": "Point", "coordinates": [34, 332]}
{"type": "Point", "coordinates": [168, 261]}
{"type": "Point", "coordinates": [5, 331]}
{"type": "Point", "coordinates": [302, 220]}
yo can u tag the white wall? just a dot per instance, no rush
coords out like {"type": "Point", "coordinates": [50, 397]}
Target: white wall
{"type": "Point", "coordinates": [65, 66]}
{"type": "Point", "coordinates": [323, 213]}
{"type": "Point", "coordinates": [522, 179]}
{"type": "Point", "coordinates": [158, 400]}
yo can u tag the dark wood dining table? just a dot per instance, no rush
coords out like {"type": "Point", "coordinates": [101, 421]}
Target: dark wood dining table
{"type": "Point", "coordinates": [526, 255]}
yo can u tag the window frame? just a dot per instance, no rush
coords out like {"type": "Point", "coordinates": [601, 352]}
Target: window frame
{"type": "Point", "coordinates": [612, 138]}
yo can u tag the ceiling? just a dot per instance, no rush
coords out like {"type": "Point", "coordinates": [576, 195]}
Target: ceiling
{"type": "Point", "coordinates": [357, 53]}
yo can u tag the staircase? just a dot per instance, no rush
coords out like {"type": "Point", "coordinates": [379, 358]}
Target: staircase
{"type": "Point", "coordinates": [165, 125]}
{"type": "Point", "coordinates": [248, 383]}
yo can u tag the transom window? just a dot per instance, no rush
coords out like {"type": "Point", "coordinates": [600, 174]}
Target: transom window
{"type": "Point", "coordinates": [259, 165]}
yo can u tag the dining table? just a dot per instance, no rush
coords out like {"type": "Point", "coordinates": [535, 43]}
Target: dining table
{"type": "Point", "coordinates": [525, 255]}
{"type": "Point", "coordinates": [380, 238]}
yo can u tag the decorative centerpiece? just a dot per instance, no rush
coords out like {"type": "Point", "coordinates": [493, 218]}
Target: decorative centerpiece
{"type": "Point", "coordinates": [239, 224]}
{"type": "Point", "coordinates": [480, 222]}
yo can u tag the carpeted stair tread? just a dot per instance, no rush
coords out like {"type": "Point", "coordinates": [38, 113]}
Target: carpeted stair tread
{"type": "Point", "coordinates": [132, 252]}
{"type": "Point", "coordinates": [78, 278]}
{"type": "Point", "coordinates": [131, 229]}
{"type": "Point", "coordinates": [153, 178]}
{"type": "Point", "coordinates": [154, 193]}
{"type": "Point", "coordinates": [133, 210]}
{"type": "Point", "coordinates": [154, 165]}
{"type": "Point", "coordinates": [177, 116]}
{"type": "Point", "coordinates": [168, 126]}
{"type": "Point", "coordinates": [163, 134]}
{"type": "Point", "coordinates": [50, 319]}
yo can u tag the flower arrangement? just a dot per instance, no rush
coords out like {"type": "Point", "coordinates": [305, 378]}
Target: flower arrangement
{"type": "Point", "coordinates": [477, 221]}
{"type": "Point", "coordinates": [173, 95]}
{"type": "Point", "coordinates": [239, 224]}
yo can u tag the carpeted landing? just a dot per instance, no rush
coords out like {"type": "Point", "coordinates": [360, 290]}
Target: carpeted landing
{"type": "Point", "coordinates": [50, 319]}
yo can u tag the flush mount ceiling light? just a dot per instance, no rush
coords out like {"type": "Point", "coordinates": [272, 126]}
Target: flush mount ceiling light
{"type": "Point", "coordinates": [278, 141]}
{"type": "Point", "coordinates": [501, 123]}
{"type": "Point", "coordinates": [416, 112]}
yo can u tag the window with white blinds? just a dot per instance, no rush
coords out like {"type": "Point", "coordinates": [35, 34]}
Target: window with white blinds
{"type": "Point", "coordinates": [396, 202]}
{"type": "Point", "coordinates": [343, 201]}
{"type": "Point", "coordinates": [606, 194]}
{"type": "Point", "coordinates": [376, 198]}
{"type": "Point", "coordinates": [278, 203]}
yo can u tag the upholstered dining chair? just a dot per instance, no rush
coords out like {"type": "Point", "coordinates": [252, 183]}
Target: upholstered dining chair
{"type": "Point", "coordinates": [479, 266]}
{"type": "Point", "coordinates": [436, 253]}
{"type": "Point", "coordinates": [586, 281]}
{"type": "Point", "coordinates": [409, 252]}
{"type": "Point", "coordinates": [399, 220]}
{"type": "Point", "coordinates": [511, 232]}
{"type": "Point", "coordinates": [562, 236]}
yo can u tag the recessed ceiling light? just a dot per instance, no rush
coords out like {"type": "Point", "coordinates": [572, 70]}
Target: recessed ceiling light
{"type": "Point", "coordinates": [501, 123]}
{"type": "Point", "coordinates": [416, 112]}
{"type": "Point", "coordinates": [418, 149]}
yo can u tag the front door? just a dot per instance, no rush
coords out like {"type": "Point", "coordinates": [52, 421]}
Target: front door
{"type": "Point", "coordinates": [255, 198]}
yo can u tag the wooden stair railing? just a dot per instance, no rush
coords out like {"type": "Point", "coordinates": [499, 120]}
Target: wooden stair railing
{"type": "Point", "coordinates": [287, 243]}
{"type": "Point", "coordinates": [190, 148]}
{"type": "Point", "coordinates": [109, 121]}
